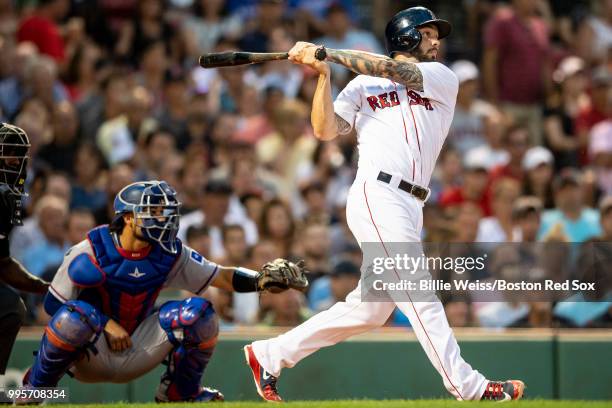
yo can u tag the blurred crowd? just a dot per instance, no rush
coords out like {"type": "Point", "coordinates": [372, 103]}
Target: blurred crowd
{"type": "Point", "coordinates": [109, 92]}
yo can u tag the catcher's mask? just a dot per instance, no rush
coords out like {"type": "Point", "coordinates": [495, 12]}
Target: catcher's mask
{"type": "Point", "coordinates": [155, 208]}
{"type": "Point", "coordinates": [14, 147]}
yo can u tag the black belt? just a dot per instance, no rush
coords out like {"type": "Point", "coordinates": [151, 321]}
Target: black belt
{"type": "Point", "coordinates": [419, 192]}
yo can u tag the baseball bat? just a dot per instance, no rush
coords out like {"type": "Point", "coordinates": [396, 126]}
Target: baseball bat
{"type": "Point", "coordinates": [234, 58]}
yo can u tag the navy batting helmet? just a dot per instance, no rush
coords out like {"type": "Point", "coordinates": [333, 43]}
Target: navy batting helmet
{"type": "Point", "coordinates": [402, 32]}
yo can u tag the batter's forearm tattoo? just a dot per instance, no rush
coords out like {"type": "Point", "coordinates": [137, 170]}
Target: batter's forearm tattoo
{"type": "Point", "coordinates": [342, 126]}
{"type": "Point", "coordinates": [365, 63]}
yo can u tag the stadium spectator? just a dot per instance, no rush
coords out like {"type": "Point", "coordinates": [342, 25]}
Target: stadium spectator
{"type": "Point", "coordinates": [499, 226]}
{"type": "Point", "coordinates": [209, 21]}
{"type": "Point", "coordinates": [594, 34]}
{"type": "Point", "coordinates": [333, 288]}
{"type": "Point", "coordinates": [172, 116]}
{"type": "Point", "coordinates": [316, 208]}
{"type": "Point", "coordinates": [46, 240]}
{"type": "Point", "coordinates": [467, 128]}
{"type": "Point", "coordinates": [571, 217]}
{"type": "Point", "coordinates": [42, 29]}
{"type": "Point", "coordinates": [40, 81]}
{"type": "Point", "coordinates": [80, 221]}
{"type": "Point", "coordinates": [198, 238]}
{"type": "Point", "coordinates": [214, 212]}
{"type": "Point", "coordinates": [58, 185]}
{"type": "Point", "coordinates": [287, 309]}
{"type": "Point", "coordinates": [516, 142]}
{"type": "Point", "coordinates": [87, 190]}
{"type": "Point", "coordinates": [245, 305]}
{"type": "Point", "coordinates": [81, 71]}
{"type": "Point", "coordinates": [605, 209]}
{"type": "Point", "coordinates": [313, 247]}
{"type": "Point", "coordinates": [599, 108]}
{"type": "Point", "coordinates": [340, 34]}
{"type": "Point", "coordinates": [448, 173]}
{"type": "Point", "coordinates": [494, 151]}
{"type": "Point", "coordinates": [459, 311]}
{"type": "Point", "coordinates": [516, 62]}
{"type": "Point", "coordinates": [254, 128]}
{"type": "Point", "coordinates": [278, 226]}
{"type": "Point", "coordinates": [465, 222]}
{"type": "Point", "coordinates": [472, 189]}
{"type": "Point", "coordinates": [148, 26]}
{"type": "Point", "coordinates": [285, 75]}
{"type": "Point", "coordinates": [118, 177]}
{"type": "Point", "coordinates": [256, 37]}
{"type": "Point", "coordinates": [157, 147]}
{"type": "Point", "coordinates": [59, 153]}
{"type": "Point", "coordinates": [538, 165]}
{"type": "Point", "coordinates": [527, 216]}
{"type": "Point", "coordinates": [563, 108]}
{"type": "Point", "coordinates": [600, 152]}
{"type": "Point", "coordinates": [192, 182]}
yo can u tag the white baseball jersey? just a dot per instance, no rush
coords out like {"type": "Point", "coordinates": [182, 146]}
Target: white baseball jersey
{"type": "Point", "coordinates": [400, 130]}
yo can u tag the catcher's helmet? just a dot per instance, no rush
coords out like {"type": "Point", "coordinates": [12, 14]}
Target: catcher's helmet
{"type": "Point", "coordinates": [14, 147]}
{"type": "Point", "coordinates": [155, 208]}
{"type": "Point", "coordinates": [402, 32]}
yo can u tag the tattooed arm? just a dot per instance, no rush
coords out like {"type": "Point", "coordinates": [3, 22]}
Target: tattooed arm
{"type": "Point", "coordinates": [325, 122]}
{"type": "Point", "coordinates": [404, 72]}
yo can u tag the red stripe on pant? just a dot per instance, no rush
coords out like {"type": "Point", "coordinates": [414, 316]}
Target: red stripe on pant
{"type": "Point", "coordinates": [411, 303]}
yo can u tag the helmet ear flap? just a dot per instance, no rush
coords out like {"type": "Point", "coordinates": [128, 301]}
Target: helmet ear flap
{"type": "Point", "coordinates": [410, 40]}
{"type": "Point", "coordinates": [407, 41]}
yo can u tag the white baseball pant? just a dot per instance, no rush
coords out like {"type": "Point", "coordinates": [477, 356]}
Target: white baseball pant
{"type": "Point", "coordinates": [378, 212]}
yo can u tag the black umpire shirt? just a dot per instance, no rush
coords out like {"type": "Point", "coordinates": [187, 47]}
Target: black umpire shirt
{"type": "Point", "coordinates": [8, 209]}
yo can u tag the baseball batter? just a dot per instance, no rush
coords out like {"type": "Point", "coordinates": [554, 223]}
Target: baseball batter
{"type": "Point", "coordinates": [401, 107]}
{"type": "Point", "coordinates": [108, 285]}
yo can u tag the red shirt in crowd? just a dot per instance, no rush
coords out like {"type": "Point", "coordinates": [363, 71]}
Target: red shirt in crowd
{"type": "Point", "coordinates": [522, 49]}
{"type": "Point", "coordinates": [454, 197]}
{"type": "Point", "coordinates": [505, 171]}
{"type": "Point", "coordinates": [584, 122]}
{"type": "Point", "coordinates": [45, 34]}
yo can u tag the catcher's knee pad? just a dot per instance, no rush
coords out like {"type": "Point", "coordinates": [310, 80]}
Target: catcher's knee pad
{"type": "Point", "coordinates": [75, 326]}
{"type": "Point", "coordinates": [192, 322]}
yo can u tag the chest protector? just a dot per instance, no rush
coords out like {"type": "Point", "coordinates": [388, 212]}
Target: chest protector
{"type": "Point", "coordinates": [133, 281]}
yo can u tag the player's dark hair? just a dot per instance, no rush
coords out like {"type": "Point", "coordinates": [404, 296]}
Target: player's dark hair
{"type": "Point", "coordinates": [117, 224]}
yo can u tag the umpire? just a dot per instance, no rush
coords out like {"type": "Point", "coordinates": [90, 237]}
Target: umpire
{"type": "Point", "coordinates": [14, 146]}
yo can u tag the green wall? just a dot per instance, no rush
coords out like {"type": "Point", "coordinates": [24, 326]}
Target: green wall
{"type": "Point", "coordinates": [551, 367]}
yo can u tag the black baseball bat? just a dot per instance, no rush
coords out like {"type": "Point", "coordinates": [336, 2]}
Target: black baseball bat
{"type": "Point", "coordinates": [234, 58]}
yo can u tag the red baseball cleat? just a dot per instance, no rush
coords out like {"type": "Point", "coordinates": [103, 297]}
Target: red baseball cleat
{"type": "Point", "coordinates": [504, 390]}
{"type": "Point", "coordinates": [264, 381]}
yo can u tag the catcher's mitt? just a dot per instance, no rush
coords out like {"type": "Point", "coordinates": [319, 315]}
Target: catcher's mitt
{"type": "Point", "coordinates": [281, 274]}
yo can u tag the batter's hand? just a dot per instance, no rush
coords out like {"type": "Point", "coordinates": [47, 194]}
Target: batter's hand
{"type": "Point", "coordinates": [117, 338]}
{"type": "Point", "coordinates": [304, 53]}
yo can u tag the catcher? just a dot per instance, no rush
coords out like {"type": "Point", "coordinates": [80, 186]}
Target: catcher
{"type": "Point", "coordinates": [102, 297]}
